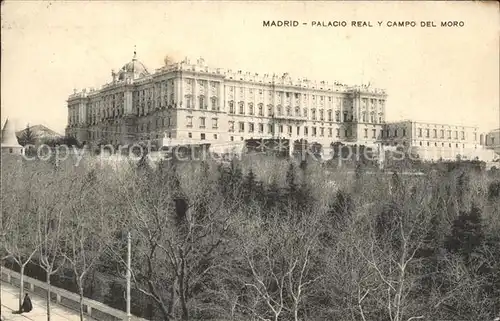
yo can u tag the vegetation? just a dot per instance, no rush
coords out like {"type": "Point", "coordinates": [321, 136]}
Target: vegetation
{"type": "Point", "coordinates": [260, 238]}
{"type": "Point", "coordinates": [27, 136]}
{"type": "Point", "coordinates": [68, 141]}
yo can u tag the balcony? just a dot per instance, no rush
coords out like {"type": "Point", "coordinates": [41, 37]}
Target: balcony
{"type": "Point", "coordinates": [290, 118]}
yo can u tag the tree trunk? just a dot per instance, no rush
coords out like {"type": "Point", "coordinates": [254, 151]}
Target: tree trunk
{"type": "Point", "coordinates": [182, 296]}
{"type": "Point", "coordinates": [182, 288]}
{"type": "Point", "coordinates": [81, 303]}
{"type": "Point", "coordinates": [172, 298]}
{"type": "Point", "coordinates": [48, 294]}
{"type": "Point", "coordinates": [21, 287]}
{"type": "Point", "coordinates": [295, 311]}
{"type": "Point", "coordinates": [161, 305]}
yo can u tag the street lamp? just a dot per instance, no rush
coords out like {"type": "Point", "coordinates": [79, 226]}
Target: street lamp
{"type": "Point", "coordinates": [128, 274]}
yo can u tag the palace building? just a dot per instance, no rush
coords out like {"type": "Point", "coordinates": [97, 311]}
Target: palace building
{"type": "Point", "coordinates": [193, 103]}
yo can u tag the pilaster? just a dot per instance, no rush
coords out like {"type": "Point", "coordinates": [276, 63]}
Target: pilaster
{"type": "Point", "coordinates": [194, 103]}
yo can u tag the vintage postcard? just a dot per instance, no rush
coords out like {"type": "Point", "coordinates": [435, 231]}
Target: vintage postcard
{"type": "Point", "coordinates": [250, 160]}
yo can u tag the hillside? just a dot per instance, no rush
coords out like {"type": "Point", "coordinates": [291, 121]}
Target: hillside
{"type": "Point", "coordinates": [40, 132]}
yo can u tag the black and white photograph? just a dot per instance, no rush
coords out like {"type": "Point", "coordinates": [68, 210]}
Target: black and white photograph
{"type": "Point", "coordinates": [250, 161]}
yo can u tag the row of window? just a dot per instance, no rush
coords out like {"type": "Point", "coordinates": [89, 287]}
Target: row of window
{"type": "Point", "coordinates": [288, 112]}
{"type": "Point", "coordinates": [373, 102]}
{"type": "Point", "coordinates": [374, 133]}
{"type": "Point", "coordinates": [387, 133]}
{"type": "Point", "coordinates": [150, 101]}
{"type": "Point", "coordinates": [201, 83]}
{"type": "Point", "coordinates": [108, 134]}
{"type": "Point", "coordinates": [428, 144]}
{"type": "Point", "coordinates": [164, 86]}
{"type": "Point", "coordinates": [116, 113]}
{"type": "Point", "coordinates": [289, 129]}
{"type": "Point", "coordinates": [373, 117]}
{"type": "Point", "coordinates": [215, 136]}
{"type": "Point", "coordinates": [202, 136]}
{"type": "Point", "coordinates": [443, 145]}
{"type": "Point", "coordinates": [108, 102]}
{"type": "Point", "coordinates": [202, 103]}
{"type": "Point", "coordinates": [442, 132]}
{"type": "Point", "coordinates": [159, 122]}
{"type": "Point", "coordinates": [150, 93]}
{"type": "Point", "coordinates": [202, 124]}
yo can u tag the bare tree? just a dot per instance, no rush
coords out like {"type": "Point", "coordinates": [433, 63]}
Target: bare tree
{"type": "Point", "coordinates": [278, 257]}
{"type": "Point", "coordinates": [50, 236]}
{"type": "Point", "coordinates": [267, 279]}
{"type": "Point", "coordinates": [19, 224]}
{"type": "Point", "coordinates": [86, 230]}
{"type": "Point", "coordinates": [390, 248]}
{"type": "Point", "coordinates": [46, 189]}
{"type": "Point", "coordinates": [177, 238]}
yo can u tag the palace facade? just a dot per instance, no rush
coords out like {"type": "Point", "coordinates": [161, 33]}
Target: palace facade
{"type": "Point", "coordinates": [193, 103]}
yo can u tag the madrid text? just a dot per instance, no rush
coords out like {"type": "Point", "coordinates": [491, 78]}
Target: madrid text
{"type": "Point", "coordinates": [280, 23]}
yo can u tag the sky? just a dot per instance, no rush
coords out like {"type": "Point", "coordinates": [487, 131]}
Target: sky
{"type": "Point", "coordinates": [438, 75]}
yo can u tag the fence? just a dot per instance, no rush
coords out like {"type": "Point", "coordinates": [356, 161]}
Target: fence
{"type": "Point", "coordinates": [94, 309]}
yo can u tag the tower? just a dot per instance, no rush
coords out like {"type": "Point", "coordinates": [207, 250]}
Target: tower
{"type": "Point", "coordinates": [9, 143]}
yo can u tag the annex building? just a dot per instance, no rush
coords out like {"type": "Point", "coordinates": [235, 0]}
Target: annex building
{"type": "Point", "coordinates": [492, 140]}
{"type": "Point", "coordinates": [436, 141]}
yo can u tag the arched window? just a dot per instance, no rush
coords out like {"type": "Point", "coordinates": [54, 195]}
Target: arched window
{"type": "Point", "coordinates": [297, 111]}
